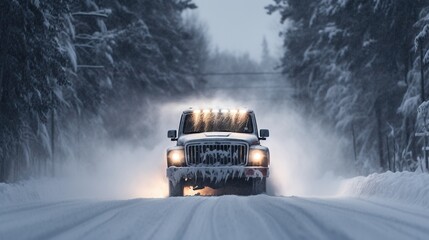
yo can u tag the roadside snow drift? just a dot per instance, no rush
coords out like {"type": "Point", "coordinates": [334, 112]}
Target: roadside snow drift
{"type": "Point", "coordinates": [405, 187]}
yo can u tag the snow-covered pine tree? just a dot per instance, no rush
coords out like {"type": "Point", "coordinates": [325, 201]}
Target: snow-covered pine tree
{"type": "Point", "coordinates": [31, 63]}
{"type": "Point", "coordinates": [346, 59]}
{"type": "Point", "coordinates": [72, 70]}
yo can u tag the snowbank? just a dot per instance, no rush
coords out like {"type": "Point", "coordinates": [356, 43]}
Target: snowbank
{"type": "Point", "coordinates": [81, 187]}
{"type": "Point", "coordinates": [17, 193]}
{"type": "Point", "coordinates": [405, 187]}
{"type": "Point", "coordinates": [44, 189]}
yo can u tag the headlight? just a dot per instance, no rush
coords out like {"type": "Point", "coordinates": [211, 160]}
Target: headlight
{"type": "Point", "coordinates": [259, 157]}
{"type": "Point", "coordinates": [176, 157]}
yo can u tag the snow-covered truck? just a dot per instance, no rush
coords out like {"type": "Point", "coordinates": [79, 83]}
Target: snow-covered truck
{"type": "Point", "coordinates": [218, 151]}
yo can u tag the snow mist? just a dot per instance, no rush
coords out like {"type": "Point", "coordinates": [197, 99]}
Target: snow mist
{"type": "Point", "coordinates": [103, 168]}
{"type": "Point", "coordinates": [306, 159]}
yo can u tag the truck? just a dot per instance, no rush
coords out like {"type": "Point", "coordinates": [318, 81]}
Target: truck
{"type": "Point", "coordinates": [217, 152]}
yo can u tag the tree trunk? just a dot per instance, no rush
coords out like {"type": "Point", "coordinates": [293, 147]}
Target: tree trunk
{"type": "Point", "coordinates": [380, 135]}
{"type": "Point", "coordinates": [354, 142]}
{"type": "Point", "coordinates": [52, 136]}
{"type": "Point", "coordinates": [388, 154]}
{"type": "Point", "coordinates": [422, 76]}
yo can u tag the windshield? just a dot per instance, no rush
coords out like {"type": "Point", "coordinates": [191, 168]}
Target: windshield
{"type": "Point", "coordinates": [217, 122]}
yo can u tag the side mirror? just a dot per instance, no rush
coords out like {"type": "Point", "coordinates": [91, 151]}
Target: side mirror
{"type": "Point", "coordinates": [172, 134]}
{"type": "Point", "coordinates": [263, 134]}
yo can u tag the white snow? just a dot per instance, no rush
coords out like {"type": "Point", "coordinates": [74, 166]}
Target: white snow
{"type": "Point", "coordinates": [409, 105]}
{"type": "Point", "coordinates": [16, 193]}
{"type": "Point", "coordinates": [379, 206]}
{"type": "Point", "coordinates": [423, 117]}
{"type": "Point", "coordinates": [405, 187]}
{"type": "Point", "coordinates": [331, 30]}
{"type": "Point", "coordinates": [228, 217]}
{"type": "Point", "coordinates": [421, 36]}
{"type": "Point", "coordinates": [408, 188]}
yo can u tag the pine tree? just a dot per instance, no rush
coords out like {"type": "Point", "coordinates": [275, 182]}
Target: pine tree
{"type": "Point", "coordinates": [346, 58]}
{"type": "Point", "coordinates": [31, 64]}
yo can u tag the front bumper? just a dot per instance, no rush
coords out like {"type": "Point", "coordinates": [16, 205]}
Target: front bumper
{"type": "Point", "coordinates": [216, 174]}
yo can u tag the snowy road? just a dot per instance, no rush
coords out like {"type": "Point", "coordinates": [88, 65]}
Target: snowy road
{"type": "Point", "coordinates": [227, 217]}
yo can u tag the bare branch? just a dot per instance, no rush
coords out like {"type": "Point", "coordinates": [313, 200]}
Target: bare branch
{"type": "Point", "coordinates": [90, 66]}
{"type": "Point", "coordinates": [83, 45]}
{"type": "Point", "coordinates": [100, 13]}
{"type": "Point", "coordinates": [88, 37]}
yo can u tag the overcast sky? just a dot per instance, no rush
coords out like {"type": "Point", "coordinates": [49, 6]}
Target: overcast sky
{"type": "Point", "coordinates": [240, 25]}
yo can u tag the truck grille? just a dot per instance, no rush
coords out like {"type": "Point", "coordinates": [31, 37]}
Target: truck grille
{"type": "Point", "coordinates": [222, 153]}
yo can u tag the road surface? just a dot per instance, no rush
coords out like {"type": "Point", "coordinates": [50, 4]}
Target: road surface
{"type": "Point", "coordinates": [226, 217]}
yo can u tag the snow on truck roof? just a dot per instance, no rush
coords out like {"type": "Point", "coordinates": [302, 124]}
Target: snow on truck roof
{"type": "Point", "coordinates": [218, 110]}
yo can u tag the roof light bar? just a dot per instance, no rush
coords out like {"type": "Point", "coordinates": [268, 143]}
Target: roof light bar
{"type": "Point", "coordinates": [219, 110]}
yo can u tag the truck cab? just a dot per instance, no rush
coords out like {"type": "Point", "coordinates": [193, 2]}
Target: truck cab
{"type": "Point", "coordinates": [217, 152]}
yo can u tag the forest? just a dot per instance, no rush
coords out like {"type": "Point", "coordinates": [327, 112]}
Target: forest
{"type": "Point", "coordinates": [361, 66]}
{"type": "Point", "coordinates": [74, 70]}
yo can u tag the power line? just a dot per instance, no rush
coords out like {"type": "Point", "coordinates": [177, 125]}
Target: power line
{"type": "Point", "coordinates": [239, 73]}
{"type": "Point", "coordinates": [247, 87]}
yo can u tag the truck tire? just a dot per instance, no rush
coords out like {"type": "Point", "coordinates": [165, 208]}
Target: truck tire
{"type": "Point", "coordinates": [259, 186]}
{"type": "Point", "coordinates": [176, 190]}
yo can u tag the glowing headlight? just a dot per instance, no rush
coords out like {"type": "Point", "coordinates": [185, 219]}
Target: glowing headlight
{"type": "Point", "coordinates": [258, 157]}
{"type": "Point", "coordinates": [176, 157]}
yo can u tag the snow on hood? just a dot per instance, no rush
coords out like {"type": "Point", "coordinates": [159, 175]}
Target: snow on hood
{"type": "Point", "coordinates": [251, 139]}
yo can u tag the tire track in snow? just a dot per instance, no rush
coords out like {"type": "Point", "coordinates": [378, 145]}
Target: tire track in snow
{"type": "Point", "coordinates": [313, 227]}
{"type": "Point", "coordinates": [174, 223]}
{"type": "Point", "coordinates": [400, 207]}
{"type": "Point", "coordinates": [283, 222]}
{"type": "Point", "coordinates": [90, 223]}
{"type": "Point", "coordinates": [390, 223]}
{"type": "Point", "coordinates": [227, 217]}
{"type": "Point", "coordinates": [150, 221]}
{"type": "Point", "coordinates": [50, 222]}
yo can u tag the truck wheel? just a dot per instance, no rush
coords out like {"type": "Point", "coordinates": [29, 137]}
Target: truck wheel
{"type": "Point", "coordinates": [259, 186]}
{"type": "Point", "coordinates": [176, 190]}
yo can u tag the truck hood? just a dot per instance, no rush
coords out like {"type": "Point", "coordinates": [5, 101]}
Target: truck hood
{"type": "Point", "coordinates": [251, 139]}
